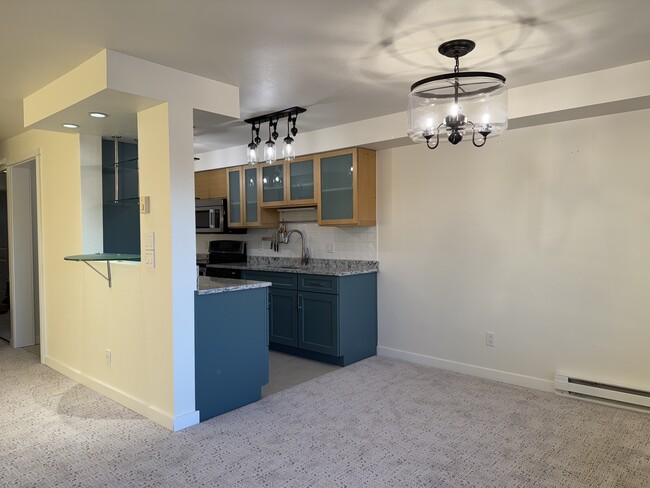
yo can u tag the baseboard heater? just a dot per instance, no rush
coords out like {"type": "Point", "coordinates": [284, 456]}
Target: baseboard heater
{"type": "Point", "coordinates": [594, 391]}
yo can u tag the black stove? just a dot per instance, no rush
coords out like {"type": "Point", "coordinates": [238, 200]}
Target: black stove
{"type": "Point", "coordinates": [225, 252]}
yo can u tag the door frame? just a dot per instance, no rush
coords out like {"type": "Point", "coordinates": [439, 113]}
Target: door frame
{"type": "Point", "coordinates": [27, 158]}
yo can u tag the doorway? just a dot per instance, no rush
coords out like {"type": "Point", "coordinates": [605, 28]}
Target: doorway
{"type": "Point", "coordinates": [5, 323]}
{"type": "Point", "coordinates": [23, 255]}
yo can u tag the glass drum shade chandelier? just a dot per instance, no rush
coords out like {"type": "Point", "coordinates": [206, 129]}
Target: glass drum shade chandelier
{"type": "Point", "coordinates": [288, 143]}
{"type": "Point", "coordinates": [458, 105]}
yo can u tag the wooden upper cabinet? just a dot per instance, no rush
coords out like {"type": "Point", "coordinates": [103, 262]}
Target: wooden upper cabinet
{"type": "Point", "coordinates": [210, 184]}
{"type": "Point", "coordinates": [346, 185]}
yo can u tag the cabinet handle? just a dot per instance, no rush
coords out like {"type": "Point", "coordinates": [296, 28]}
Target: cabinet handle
{"type": "Point", "coordinates": [299, 301]}
{"type": "Point", "coordinates": [315, 283]}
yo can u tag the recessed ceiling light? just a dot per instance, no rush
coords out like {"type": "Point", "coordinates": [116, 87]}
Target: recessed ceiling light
{"type": "Point", "coordinates": [70, 126]}
{"type": "Point", "coordinates": [98, 115]}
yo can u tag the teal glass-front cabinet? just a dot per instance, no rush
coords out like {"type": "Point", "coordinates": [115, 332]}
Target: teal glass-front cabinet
{"type": "Point", "coordinates": [235, 210]}
{"type": "Point", "coordinates": [347, 187]}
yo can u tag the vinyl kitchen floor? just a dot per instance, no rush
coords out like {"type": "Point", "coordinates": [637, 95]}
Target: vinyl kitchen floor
{"type": "Point", "coordinates": [286, 371]}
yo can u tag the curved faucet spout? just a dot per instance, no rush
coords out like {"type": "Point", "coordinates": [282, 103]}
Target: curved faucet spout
{"type": "Point", "coordinates": [304, 257]}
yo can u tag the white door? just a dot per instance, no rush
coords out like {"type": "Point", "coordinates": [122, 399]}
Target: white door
{"type": "Point", "coordinates": [22, 259]}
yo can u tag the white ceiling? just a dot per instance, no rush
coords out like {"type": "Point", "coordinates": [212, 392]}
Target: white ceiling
{"type": "Point", "coordinates": [343, 60]}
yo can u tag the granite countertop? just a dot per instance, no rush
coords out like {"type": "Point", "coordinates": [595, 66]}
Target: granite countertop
{"type": "Point", "coordinates": [331, 267]}
{"type": "Point", "coordinates": [208, 285]}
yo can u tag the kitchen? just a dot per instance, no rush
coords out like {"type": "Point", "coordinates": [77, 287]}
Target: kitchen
{"type": "Point", "coordinates": [322, 298]}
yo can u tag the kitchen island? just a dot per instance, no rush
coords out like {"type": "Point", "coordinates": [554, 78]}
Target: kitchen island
{"type": "Point", "coordinates": [231, 344]}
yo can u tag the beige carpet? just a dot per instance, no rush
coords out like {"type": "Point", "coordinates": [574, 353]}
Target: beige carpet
{"type": "Point", "coordinates": [378, 423]}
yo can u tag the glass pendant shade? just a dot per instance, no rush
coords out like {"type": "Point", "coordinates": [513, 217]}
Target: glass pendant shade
{"type": "Point", "coordinates": [454, 105]}
{"type": "Point", "coordinates": [252, 153]}
{"type": "Point", "coordinates": [288, 149]}
{"type": "Point", "coordinates": [269, 151]}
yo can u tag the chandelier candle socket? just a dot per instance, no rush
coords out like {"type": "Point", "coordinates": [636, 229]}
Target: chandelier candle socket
{"type": "Point", "coordinates": [288, 147]}
{"type": "Point", "coordinates": [458, 104]}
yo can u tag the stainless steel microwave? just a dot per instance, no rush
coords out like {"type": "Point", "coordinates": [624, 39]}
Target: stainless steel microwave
{"type": "Point", "coordinates": [211, 216]}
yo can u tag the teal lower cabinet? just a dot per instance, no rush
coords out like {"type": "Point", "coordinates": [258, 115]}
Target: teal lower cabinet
{"type": "Point", "coordinates": [318, 319]}
{"type": "Point", "coordinates": [327, 318]}
{"type": "Point", "coordinates": [283, 321]}
{"type": "Point", "coordinates": [231, 349]}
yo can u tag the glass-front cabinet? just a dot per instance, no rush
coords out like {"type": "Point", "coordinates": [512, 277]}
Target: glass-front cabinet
{"type": "Point", "coordinates": [235, 210]}
{"type": "Point", "coordinates": [252, 214]}
{"type": "Point", "coordinates": [346, 189]}
{"type": "Point", "coordinates": [301, 181]}
{"type": "Point", "coordinates": [273, 190]}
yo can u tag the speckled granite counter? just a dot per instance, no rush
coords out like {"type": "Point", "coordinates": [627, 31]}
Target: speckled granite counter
{"type": "Point", "coordinates": [330, 267]}
{"type": "Point", "coordinates": [208, 285]}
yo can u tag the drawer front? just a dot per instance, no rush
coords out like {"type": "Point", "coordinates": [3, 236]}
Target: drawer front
{"type": "Point", "coordinates": [318, 283]}
{"type": "Point", "coordinates": [284, 281]}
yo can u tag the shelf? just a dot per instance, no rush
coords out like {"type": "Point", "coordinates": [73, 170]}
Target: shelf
{"type": "Point", "coordinates": [108, 257]}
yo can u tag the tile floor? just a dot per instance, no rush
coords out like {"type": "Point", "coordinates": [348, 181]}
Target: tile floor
{"type": "Point", "coordinates": [286, 371]}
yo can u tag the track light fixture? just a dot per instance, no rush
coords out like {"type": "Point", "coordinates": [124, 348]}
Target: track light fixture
{"type": "Point", "coordinates": [288, 148]}
{"type": "Point", "coordinates": [459, 103]}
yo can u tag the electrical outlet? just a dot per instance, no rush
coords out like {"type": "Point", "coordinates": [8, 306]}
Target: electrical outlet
{"type": "Point", "coordinates": [491, 339]}
{"type": "Point", "coordinates": [150, 259]}
{"type": "Point", "coordinates": [144, 205]}
{"type": "Point", "coordinates": [329, 247]}
{"type": "Point", "coordinates": [109, 357]}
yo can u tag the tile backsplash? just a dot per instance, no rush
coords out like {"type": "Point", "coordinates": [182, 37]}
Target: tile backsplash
{"type": "Point", "coordinates": [357, 243]}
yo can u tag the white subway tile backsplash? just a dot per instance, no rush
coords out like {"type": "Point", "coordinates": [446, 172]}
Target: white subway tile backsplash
{"type": "Point", "coordinates": [354, 243]}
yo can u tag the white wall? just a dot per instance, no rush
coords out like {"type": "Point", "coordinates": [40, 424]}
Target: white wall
{"type": "Point", "coordinates": [542, 236]}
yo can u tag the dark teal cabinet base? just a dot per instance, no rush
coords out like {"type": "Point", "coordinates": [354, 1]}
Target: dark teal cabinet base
{"type": "Point", "coordinates": [231, 350]}
{"type": "Point", "coordinates": [332, 319]}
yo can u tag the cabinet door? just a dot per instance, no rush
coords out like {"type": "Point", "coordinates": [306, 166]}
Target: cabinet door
{"type": "Point", "coordinates": [318, 327]}
{"type": "Point", "coordinates": [201, 185]}
{"type": "Point", "coordinates": [283, 319]}
{"type": "Point", "coordinates": [250, 194]}
{"type": "Point", "coordinates": [235, 211]}
{"type": "Point", "coordinates": [273, 184]}
{"type": "Point", "coordinates": [337, 189]}
{"type": "Point", "coordinates": [301, 181]}
{"type": "Point", "coordinates": [217, 183]}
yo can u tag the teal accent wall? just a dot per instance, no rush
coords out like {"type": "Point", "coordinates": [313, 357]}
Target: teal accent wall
{"type": "Point", "coordinates": [121, 220]}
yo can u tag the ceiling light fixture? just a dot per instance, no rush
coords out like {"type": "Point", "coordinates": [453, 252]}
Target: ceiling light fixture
{"type": "Point", "coordinates": [255, 141]}
{"type": "Point", "coordinates": [98, 115]}
{"type": "Point", "coordinates": [70, 126]}
{"type": "Point", "coordinates": [459, 103]}
{"type": "Point", "coordinates": [288, 149]}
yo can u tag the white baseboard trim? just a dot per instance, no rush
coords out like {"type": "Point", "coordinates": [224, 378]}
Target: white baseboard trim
{"type": "Point", "coordinates": [184, 421]}
{"type": "Point", "coordinates": [481, 372]}
{"type": "Point", "coordinates": [129, 401]}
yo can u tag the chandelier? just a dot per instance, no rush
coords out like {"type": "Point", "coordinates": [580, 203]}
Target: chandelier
{"type": "Point", "coordinates": [272, 119]}
{"type": "Point", "coordinates": [458, 104]}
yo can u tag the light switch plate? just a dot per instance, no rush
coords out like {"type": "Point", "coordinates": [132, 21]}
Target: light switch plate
{"type": "Point", "coordinates": [144, 205]}
{"type": "Point", "coordinates": [149, 259]}
{"type": "Point", "coordinates": [149, 241]}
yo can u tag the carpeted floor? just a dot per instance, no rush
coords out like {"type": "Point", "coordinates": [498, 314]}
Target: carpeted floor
{"type": "Point", "coordinates": [378, 423]}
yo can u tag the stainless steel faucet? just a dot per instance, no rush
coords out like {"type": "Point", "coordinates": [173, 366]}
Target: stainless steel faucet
{"type": "Point", "coordinates": [304, 258]}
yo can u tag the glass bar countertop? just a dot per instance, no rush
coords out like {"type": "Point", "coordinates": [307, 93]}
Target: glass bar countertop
{"type": "Point", "coordinates": [103, 256]}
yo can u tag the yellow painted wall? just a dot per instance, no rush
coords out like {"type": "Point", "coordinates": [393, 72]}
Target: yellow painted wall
{"type": "Point", "coordinates": [83, 316]}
